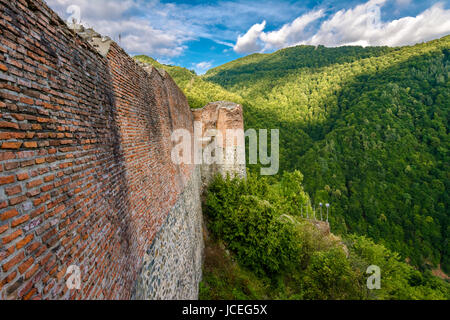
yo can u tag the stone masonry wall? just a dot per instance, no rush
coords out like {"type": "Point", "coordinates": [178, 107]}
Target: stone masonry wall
{"type": "Point", "coordinates": [85, 171]}
{"type": "Point", "coordinates": [172, 265]}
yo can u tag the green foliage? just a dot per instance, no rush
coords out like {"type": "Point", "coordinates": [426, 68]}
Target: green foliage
{"type": "Point", "coordinates": [330, 276]}
{"type": "Point", "coordinates": [398, 279]}
{"type": "Point", "coordinates": [282, 256]}
{"type": "Point", "coordinates": [224, 279]}
{"type": "Point", "coordinates": [198, 91]}
{"type": "Point", "coordinates": [251, 226]}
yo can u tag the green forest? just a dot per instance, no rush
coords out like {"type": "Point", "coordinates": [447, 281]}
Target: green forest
{"type": "Point", "coordinates": [262, 247]}
{"type": "Point", "coordinates": [366, 127]}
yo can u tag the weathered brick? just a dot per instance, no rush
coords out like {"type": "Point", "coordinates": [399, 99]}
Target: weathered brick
{"type": "Point", "coordinates": [17, 200]}
{"type": "Point", "coordinates": [12, 236]}
{"type": "Point", "coordinates": [20, 220]}
{"type": "Point", "coordinates": [6, 180]}
{"type": "Point", "coordinates": [8, 214]}
{"type": "Point", "coordinates": [11, 145]}
{"type": "Point", "coordinates": [11, 165]}
{"type": "Point", "coordinates": [26, 265]}
{"type": "Point", "coordinates": [30, 144]}
{"type": "Point", "coordinates": [8, 125]}
{"type": "Point", "coordinates": [3, 228]}
{"type": "Point", "coordinates": [13, 190]}
{"type": "Point", "coordinates": [6, 155]}
{"type": "Point", "coordinates": [23, 176]}
{"type": "Point", "coordinates": [34, 183]}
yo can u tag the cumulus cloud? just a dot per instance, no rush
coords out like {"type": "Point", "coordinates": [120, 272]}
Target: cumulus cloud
{"type": "Point", "coordinates": [202, 67]}
{"type": "Point", "coordinates": [250, 42]}
{"type": "Point", "coordinates": [290, 33]}
{"type": "Point", "coordinates": [132, 21]}
{"type": "Point", "coordinates": [361, 25]}
{"type": "Point", "coordinates": [162, 29]}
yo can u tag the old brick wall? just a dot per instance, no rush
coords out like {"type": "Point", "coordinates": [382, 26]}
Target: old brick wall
{"type": "Point", "coordinates": [85, 171]}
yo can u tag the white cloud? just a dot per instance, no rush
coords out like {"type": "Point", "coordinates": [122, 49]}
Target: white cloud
{"type": "Point", "coordinates": [290, 33]}
{"type": "Point", "coordinates": [128, 19]}
{"type": "Point", "coordinates": [202, 67]}
{"type": "Point", "coordinates": [162, 29]}
{"type": "Point", "coordinates": [361, 25]}
{"type": "Point", "coordinates": [250, 42]}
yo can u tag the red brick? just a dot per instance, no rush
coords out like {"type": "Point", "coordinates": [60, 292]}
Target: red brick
{"type": "Point", "coordinates": [22, 243]}
{"type": "Point", "coordinates": [8, 214]}
{"type": "Point", "coordinates": [34, 183]}
{"type": "Point", "coordinates": [13, 190]}
{"type": "Point", "coordinates": [47, 188]}
{"type": "Point", "coordinates": [31, 272]}
{"type": "Point", "coordinates": [22, 176]}
{"type": "Point", "coordinates": [20, 220]}
{"type": "Point", "coordinates": [26, 265]}
{"type": "Point", "coordinates": [3, 228]}
{"type": "Point", "coordinates": [17, 200]}
{"type": "Point", "coordinates": [30, 294]}
{"type": "Point", "coordinates": [11, 145]}
{"type": "Point", "coordinates": [5, 124]}
{"type": "Point", "coordinates": [26, 100]}
{"type": "Point", "coordinates": [74, 164]}
{"type": "Point", "coordinates": [30, 144]}
{"type": "Point", "coordinates": [49, 178]}
{"type": "Point", "coordinates": [6, 180]}
{"type": "Point", "coordinates": [12, 236]}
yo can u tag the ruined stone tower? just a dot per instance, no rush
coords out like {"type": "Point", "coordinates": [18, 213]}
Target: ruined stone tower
{"type": "Point", "coordinates": [227, 119]}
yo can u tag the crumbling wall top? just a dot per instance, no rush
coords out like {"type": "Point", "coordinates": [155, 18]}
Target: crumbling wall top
{"type": "Point", "coordinates": [95, 39]}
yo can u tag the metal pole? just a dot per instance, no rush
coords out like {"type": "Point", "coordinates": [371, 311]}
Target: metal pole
{"type": "Point", "coordinates": [320, 204]}
{"type": "Point", "coordinates": [327, 205]}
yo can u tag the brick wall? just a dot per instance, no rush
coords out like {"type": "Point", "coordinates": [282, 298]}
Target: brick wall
{"type": "Point", "coordinates": [85, 175]}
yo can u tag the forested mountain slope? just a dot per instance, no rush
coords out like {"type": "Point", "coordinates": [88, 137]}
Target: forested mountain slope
{"type": "Point", "coordinates": [367, 127]}
{"type": "Point", "coordinates": [198, 91]}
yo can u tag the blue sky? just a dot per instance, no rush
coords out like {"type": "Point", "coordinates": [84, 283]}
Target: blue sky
{"type": "Point", "coordinates": [203, 34]}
